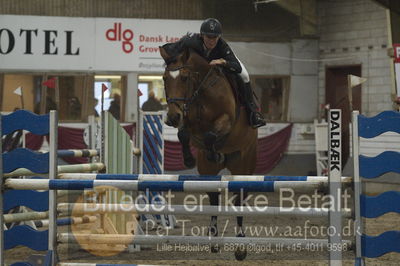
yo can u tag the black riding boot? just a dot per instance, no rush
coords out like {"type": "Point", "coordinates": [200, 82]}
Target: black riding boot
{"type": "Point", "coordinates": [184, 138]}
{"type": "Point", "coordinates": [256, 119]}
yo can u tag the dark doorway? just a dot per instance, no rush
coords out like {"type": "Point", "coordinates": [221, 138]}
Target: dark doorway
{"type": "Point", "coordinates": [337, 96]}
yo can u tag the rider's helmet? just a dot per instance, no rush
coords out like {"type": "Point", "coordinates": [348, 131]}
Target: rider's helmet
{"type": "Point", "coordinates": [211, 27]}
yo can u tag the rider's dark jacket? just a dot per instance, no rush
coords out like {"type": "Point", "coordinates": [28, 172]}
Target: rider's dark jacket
{"type": "Point", "coordinates": [195, 42]}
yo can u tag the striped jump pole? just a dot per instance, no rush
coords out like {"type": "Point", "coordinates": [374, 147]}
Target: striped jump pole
{"type": "Point", "coordinates": [67, 221]}
{"type": "Point", "coordinates": [97, 264]}
{"type": "Point", "coordinates": [78, 153]}
{"type": "Point", "coordinates": [25, 216]}
{"type": "Point", "coordinates": [178, 186]}
{"type": "Point", "coordinates": [72, 168]}
{"type": "Point", "coordinates": [68, 238]}
{"type": "Point", "coordinates": [264, 211]}
{"type": "Point", "coordinates": [153, 177]}
{"type": "Point", "coordinates": [42, 216]}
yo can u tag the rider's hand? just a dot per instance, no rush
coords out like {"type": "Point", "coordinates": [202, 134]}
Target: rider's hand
{"type": "Point", "coordinates": [220, 61]}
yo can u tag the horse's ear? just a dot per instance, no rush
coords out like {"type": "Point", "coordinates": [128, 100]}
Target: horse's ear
{"type": "Point", "coordinates": [164, 53]}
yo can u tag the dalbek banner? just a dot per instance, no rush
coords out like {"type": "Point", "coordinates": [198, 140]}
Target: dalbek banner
{"type": "Point", "coordinates": [87, 44]}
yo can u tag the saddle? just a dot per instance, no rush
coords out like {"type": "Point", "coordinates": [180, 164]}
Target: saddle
{"type": "Point", "coordinates": [235, 81]}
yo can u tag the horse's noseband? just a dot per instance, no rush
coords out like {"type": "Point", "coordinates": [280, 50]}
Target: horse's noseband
{"type": "Point", "coordinates": [178, 99]}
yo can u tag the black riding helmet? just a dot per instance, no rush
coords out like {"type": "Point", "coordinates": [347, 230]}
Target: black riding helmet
{"type": "Point", "coordinates": [211, 27]}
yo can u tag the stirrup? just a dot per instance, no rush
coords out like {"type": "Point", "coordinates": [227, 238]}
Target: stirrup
{"type": "Point", "coordinates": [257, 120]}
{"type": "Point", "coordinates": [189, 162]}
{"type": "Point", "coordinates": [215, 157]}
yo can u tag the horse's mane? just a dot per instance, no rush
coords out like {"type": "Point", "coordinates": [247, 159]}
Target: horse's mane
{"type": "Point", "coordinates": [195, 57]}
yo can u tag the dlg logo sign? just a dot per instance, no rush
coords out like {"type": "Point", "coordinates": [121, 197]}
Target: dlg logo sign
{"type": "Point", "coordinates": [117, 34]}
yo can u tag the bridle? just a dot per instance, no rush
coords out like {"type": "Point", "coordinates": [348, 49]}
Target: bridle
{"type": "Point", "coordinates": [189, 100]}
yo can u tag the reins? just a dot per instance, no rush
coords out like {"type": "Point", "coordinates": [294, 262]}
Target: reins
{"type": "Point", "coordinates": [188, 101]}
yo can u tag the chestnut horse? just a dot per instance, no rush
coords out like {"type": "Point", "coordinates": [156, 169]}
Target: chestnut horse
{"type": "Point", "coordinates": [201, 100]}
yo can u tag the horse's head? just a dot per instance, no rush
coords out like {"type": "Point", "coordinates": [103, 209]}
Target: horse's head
{"type": "Point", "coordinates": [178, 81]}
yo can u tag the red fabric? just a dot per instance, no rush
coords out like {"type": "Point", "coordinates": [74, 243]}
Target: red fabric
{"type": "Point", "coordinates": [270, 148]}
{"type": "Point", "coordinates": [33, 142]}
{"type": "Point", "coordinates": [104, 87]}
{"type": "Point", "coordinates": [50, 83]}
{"type": "Point", "coordinates": [72, 138]}
{"type": "Point", "coordinates": [270, 151]}
{"type": "Point", "coordinates": [173, 158]}
{"type": "Point", "coordinates": [68, 138]}
{"type": "Point", "coordinates": [130, 129]}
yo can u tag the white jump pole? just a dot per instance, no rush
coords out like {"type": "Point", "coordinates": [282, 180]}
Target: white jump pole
{"type": "Point", "coordinates": [195, 240]}
{"type": "Point", "coordinates": [253, 211]}
{"type": "Point", "coordinates": [335, 187]}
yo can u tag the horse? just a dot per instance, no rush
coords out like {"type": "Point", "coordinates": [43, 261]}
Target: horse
{"type": "Point", "coordinates": [200, 98]}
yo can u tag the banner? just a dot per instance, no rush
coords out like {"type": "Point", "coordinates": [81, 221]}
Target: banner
{"type": "Point", "coordinates": [87, 44]}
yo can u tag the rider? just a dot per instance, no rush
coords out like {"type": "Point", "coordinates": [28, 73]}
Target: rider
{"type": "Point", "coordinates": [213, 48]}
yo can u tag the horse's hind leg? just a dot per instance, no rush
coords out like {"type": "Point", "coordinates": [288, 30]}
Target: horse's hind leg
{"type": "Point", "coordinates": [214, 201]}
{"type": "Point", "coordinates": [239, 219]}
{"type": "Point", "coordinates": [241, 251]}
{"type": "Point", "coordinates": [242, 165]}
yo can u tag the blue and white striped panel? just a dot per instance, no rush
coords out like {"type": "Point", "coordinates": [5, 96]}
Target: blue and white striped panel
{"type": "Point", "coordinates": [24, 235]}
{"type": "Point", "coordinates": [22, 119]}
{"type": "Point", "coordinates": [369, 127]}
{"type": "Point", "coordinates": [153, 144]}
{"type": "Point", "coordinates": [25, 158]}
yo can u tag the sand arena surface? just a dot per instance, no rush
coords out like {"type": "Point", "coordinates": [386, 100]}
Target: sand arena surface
{"type": "Point", "coordinates": [198, 225]}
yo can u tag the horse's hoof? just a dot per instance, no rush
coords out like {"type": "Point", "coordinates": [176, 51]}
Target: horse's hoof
{"type": "Point", "coordinates": [214, 249]}
{"type": "Point", "coordinates": [189, 162]}
{"type": "Point", "coordinates": [241, 251]}
{"type": "Point", "coordinates": [221, 158]}
{"type": "Point", "coordinates": [213, 232]}
{"type": "Point", "coordinates": [215, 157]}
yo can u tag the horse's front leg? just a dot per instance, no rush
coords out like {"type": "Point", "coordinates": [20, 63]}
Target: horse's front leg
{"type": "Point", "coordinates": [210, 138]}
{"type": "Point", "coordinates": [184, 138]}
{"type": "Point", "coordinates": [222, 126]}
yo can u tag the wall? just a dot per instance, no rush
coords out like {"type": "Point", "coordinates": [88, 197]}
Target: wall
{"type": "Point", "coordinates": [240, 19]}
{"type": "Point", "coordinates": [173, 9]}
{"type": "Point", "coordinates": [301, 140]}
{"type": "Point", "coordinates": [353, 33]}
{"type": "Point", "coordinates": [297, 59]}
{"type": "Point", "coordinates": [12, 100]}
{"type": "Point", "coordinates": [303, 97]}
